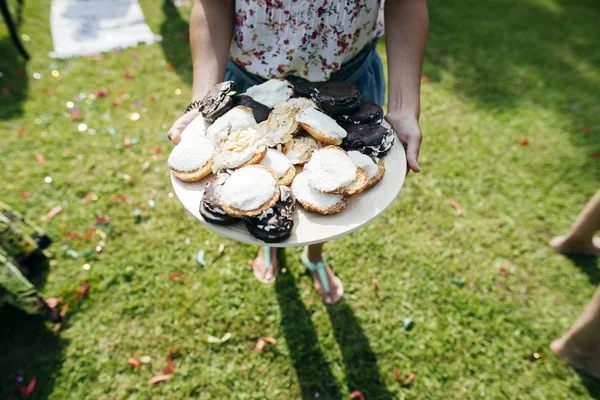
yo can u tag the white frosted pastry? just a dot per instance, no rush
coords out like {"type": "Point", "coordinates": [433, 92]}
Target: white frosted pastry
{"type": "Point", "coordinates": [300, 149]}
{"type": "Point", "coordinates": [192, 153]}
{"type": "Point", "coordinates": [365, 162]}
{"type": "Point", "coordinates": [321, 126]}
{"type": "Point", "coordinates": [298, 103]}
{"type": "Point", "coordinates": [271, 92]}
{"type": "Point", "coordinates": [315, 200]}
{"type": "Point", "coordinates": [240, 147]}
{"type": "Point", "coordinates": [330, 169]}
{"type": "Point", "coordinates": [248, 188]}
{"type": "Point", "coordinates": [236, 119]}
{"type": "Point", "coordinates": [277, 162]}
{"type": "Point", "coordinates": [197, 127]}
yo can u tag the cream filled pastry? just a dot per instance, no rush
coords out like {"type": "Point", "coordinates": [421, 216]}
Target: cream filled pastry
{"type": "Point", "coordinates": [281, 167]}
{"type": "Point", "coordinates": [321, 126]}
{"type": "Point", "coordinates": [300, 149]}
{"type": "Point", "coordinates": [240, 148]}
{"type": "Point", "coordinates": [373, 166]}
{"type": "Point", "coordinates": [271, 92]}
{"type": "Point", "coordinates": [192, 158]}
{"type": "Point", "coordinates": [249, 191]}
{"type": "Point", "coordinates": [236, 119]}
{"type": "Point", "coordinates": [330, 169]}
{"type": "Point", "coordinates": [314, 200]}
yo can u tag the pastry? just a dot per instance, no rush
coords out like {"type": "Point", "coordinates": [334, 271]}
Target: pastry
{"type": "Point", "coordinates": [240, 148]}
{"type": "Point", "coordinates": [281, 126]}
{"type": "Point", "coordinates": [300, 149]}
{"type": "Point", "coordinates": [373, 140]}
{"type": "Point", "coordinates": [236, 119]}
{"type": "Point", "coordinates": [366, 113]}
{"type": "Point", "coordinates": [217, 101]}
{"type": "Point", "coordinates": [192, 159]}
{"type": "Point", "coordinates": [274, 224]}
{"type": "Point", "coordinates": [330, 170]}
{"type": "Point", "coordinates": [306, 89]}
{"type": "Point", "coordinates": [371, 165]}
{"type": "Point", "coordinates": [316, 201]}
{"type": "Point", "coordinates": [271, 92]}
{"type": "Point", "coordinates": [259, 110]}
{"type": "Point", "coordinates": [249, 191]}
{"type": "Point", "coordinates": [337, 98]}
{"type": "Point", "coordinates": [281, 167]}
{"type": "Point", "coordinates": [210, 207]}
{"type": "Point", "coordinates": [321, 126]}
{"type": "Point", "coordinates": [197, 127]}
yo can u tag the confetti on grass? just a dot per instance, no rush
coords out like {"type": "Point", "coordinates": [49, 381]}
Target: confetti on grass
{"type": "Point", "coordinates": [171, 367]}
{"type": "Point", "coordinates": [200, 258]}
{"type": "Point", "coordinates": [134, 362]}
{"type": "Point", "coordinates": [24, 391]}
{"type": "Point", "coordinates": [213, 339]}
{"type": "Point", "coordinates": [408, 324]}
{"type": "Point", "coordinates": [357, 394]}
{"type": "Point", "coordinates": [260, 344]}
{"type": "Point", "coordinates": [456, 206]}
{"type": "Point", "coordinates": [159, 378]}
{"type": "Point", "coordinates": [53, 212]}
{"type": "Point", "coordinates": [401, 379]}
{"type": "Point", "coordinates": [458, 281]}
{"type": "Point", "coordinates": [524, 141]}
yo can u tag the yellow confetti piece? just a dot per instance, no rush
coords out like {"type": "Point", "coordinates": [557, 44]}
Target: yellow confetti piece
{"type": "Point", "coordinates": [134, 116]}
{"type": "Point", "coordinates": [55, 73]}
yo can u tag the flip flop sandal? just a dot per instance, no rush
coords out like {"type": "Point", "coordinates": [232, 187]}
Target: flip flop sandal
{"type": "Point", "coordinates": [266, 263]}
{"type": "Point", "coordinates": [319, 267]}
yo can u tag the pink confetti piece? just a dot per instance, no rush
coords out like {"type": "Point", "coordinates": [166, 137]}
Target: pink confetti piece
{"type": "Point", "coordinates": [159, 378]}
{"type": "Point", "coordinates": [134, 362]}
{"type": "Point", "coordinates": [53, 212]}
{"type": "Point", "coordinates": [456, 206]}
{"type": "Point", "coordinates": [40, 159]}
{"type": "Point", "coordinates": [88, 197]}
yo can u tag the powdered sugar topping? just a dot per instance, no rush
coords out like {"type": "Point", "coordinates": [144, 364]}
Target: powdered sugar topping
{"type": "Point", "coordinates": [191, 154]}
{"type": "Point", "coordinates": [365, 162]}
{"type": "Point", "coordinates": [321, 123]}
{"type": "Point", "coordinates": [303, 192]}
{"type": "Point", "coordinates": [330, 169]}
{"type": "Point", "coordinates": [277, 162]}
{"type": "Point", "coordinates": [248, 188]}
{"type": "Point", "coordinates": [271, 92]}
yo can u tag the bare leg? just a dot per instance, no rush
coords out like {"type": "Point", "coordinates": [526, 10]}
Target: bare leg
{"type": "Point", "coordinates": [315, 254]}
{"type": "Point", "coordinates": [580, 346]}
{"type": "Point", "coordinates": [266, 270]}
{"type": "Point", "coordinates": [580, 238]}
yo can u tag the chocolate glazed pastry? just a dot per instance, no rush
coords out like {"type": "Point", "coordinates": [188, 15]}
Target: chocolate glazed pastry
{"type": "Point", "coordinates": [337, 98]}
{"type": "Point", "coordinates": [209, 206]}
{"type": "Point", "coordinates": [276, 223]}
{"type": "Point", "coordinates": [373, 140]}
{"type": "Point", "coordinates": [306, 89]}
{"type": "Point", "coordinates": [366, 113]}
{"type": "Point", "coordinates": [217, 101]}
{"type": "Point", "coordinates": [259, 110]}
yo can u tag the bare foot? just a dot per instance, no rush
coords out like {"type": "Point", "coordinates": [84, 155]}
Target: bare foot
{"type": "Point", "coordinates": [265, 273]}
{"type": "Point", "coordinates": [586, 359]}
{"type": "Point", "coordinates": [570, 245]}
{"type": "Point", "coordinates": [336, 288]}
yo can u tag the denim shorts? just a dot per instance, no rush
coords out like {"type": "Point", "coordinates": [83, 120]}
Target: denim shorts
{"type": "Point", "coordinates": [365, 70]}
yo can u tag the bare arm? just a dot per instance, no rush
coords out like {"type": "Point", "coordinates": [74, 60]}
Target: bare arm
{"type": "Point", "coordinates": [211, 28]}
{"type": "Point", "coordinates": [407, 26]}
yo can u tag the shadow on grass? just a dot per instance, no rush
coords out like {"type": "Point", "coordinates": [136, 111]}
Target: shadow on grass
{"type": "Point", "coordinates": [588, 265]}
{"type": "Point", "coordinates": [28, 348]}
{"type": "Point", "coordinates": [591, 384]}
{"type": "Point", "coordinates": [312, 369]}
{"type": "Point", "coordinates": [175, 41]}
{"type": "Point", "coordinates": [13, 82]}
{"type": "Point", "coordinates": [507, 53]}
{"type": "Point", "coordinates": [360, 362]}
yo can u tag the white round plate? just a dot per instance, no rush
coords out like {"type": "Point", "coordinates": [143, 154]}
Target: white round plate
{"type": "Point", "coordinates": [309, 227]}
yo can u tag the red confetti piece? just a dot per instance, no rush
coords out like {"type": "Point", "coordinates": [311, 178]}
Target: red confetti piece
{"type": "Point", "coordinates": [53, 302]}
{"type": "Point", "coordinates": [155, 150]}
{"type": "Point", "coordinates": [40, 159]}
{"type": "Point", "coordinates": [595, 154]}
{"type": "Point", "coordinates": [356, 394]}
{"type": "Point", "coordinates": [123, 198]}
{"type": "Point", "coordinates": [88, 197]}
{"type": "Point", "coordinates": [102, 92]}
{"type": "Point", "coordinates": [424, 79]}
{"type": "Point", "coordinates": [127, 142]}
{"type": "Point", "coordinates": [135, 362]}
{"type": "Point", "coordinates": [159, 378]}
{"type": "Point", "coordinates": [524, 141]}
{"type": "Point", "coordinates": [100, 220]}
{"type": "Point", "coordinates": [75, 235]}
{"type": "Point", "coordinates": [49, 91]}
{"type": "Point", "coordinates": [457, 206]}
{"type": "Point", "coordinates": [116, 102]}
{"type": "Point", "coordinates": [53, 212]}
{"type": "Point", "coordinates": [504, 272]}
{"type": "Point", "coordinates": [128, 76]}
{"type": "Point", "coordinates": [411, 377]}
{"type": "Point", "coordinates": [152, 99]}
{"type": "Point", "coordinates": [260, 344]}
{"type": "Point", "coordinates": [27, 391]}
{"type": "Point", "coordinates": [25, 195]}
{"type": "Point", "coordinates": [586, 129]}
{"type": "Point", "coordinates": [170, 67]}
{"type": "Point", "coordinates": [171, 367]}
{"type": "Point", "coordinates": [85, 288]}
{"type": "Point", "coordinates": [174, 277]}
{"type": "Point", "coordinates": [20, 131]}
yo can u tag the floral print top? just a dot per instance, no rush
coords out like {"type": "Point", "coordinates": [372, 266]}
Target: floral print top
{"type": "Point", "coordinates": [305, 38]}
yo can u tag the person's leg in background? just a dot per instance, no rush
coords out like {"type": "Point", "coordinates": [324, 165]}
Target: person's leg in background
{"type": "Point", "coordinates": [580, 239]}
{"type": "Point", "coordinates": [580, 346]}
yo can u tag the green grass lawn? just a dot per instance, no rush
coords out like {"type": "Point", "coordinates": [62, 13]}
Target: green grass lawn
{"type": "Point", "coordinates": [498, 71]}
